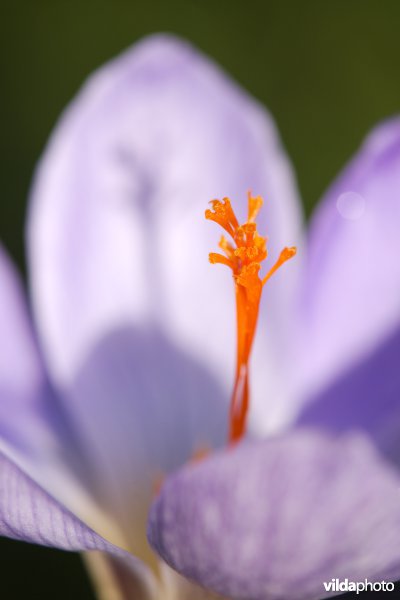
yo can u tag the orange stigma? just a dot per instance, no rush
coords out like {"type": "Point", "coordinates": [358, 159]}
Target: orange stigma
{"type": "Point", "coordinates": [244, 255]}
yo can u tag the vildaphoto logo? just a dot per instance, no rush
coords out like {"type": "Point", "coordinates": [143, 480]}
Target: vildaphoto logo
{"type": "Point", "coordinates": [336, 585]}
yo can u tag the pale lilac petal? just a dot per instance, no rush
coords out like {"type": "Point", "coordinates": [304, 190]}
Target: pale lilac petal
{"type": "Point", "coordinates": [29, 514]}
{"type": "Point", "coordinates": [350, 305]}
{"type": "Point", "coordinates": [275, 519]}
{"type": "Point", "coordinates": [137, 328]}
{"type": "Point", "coordinates": [117, 234]}
{"type": "Point", "coordinates": [34, 431]}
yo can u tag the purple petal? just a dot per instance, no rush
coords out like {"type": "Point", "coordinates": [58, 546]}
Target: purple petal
{"type": "Point", "coordinates": [137, 327]}
{"type": "Point", "coordinates": [37, 446]}
{"type": "Point", "coordinates": [365, 398]}
{"type": "Point", "coordinates": [34, 433]}
{"type": "Point", "coordinates": [351, 290]}
{"type": "Point", "coordinates": [117, 234]}
{"type": "Point", "coordinates": [275, 519]}
{"type": "Point", "coordinates": [29, 514]}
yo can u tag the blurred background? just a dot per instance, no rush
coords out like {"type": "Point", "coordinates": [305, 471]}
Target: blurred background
{"type": "Point", "coordinates": [327, 71]}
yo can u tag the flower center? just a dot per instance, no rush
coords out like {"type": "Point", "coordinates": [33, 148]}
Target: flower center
{"type": "Point", "coordinates": [244, 255]}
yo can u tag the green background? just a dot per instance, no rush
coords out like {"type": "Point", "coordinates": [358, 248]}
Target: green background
{"type": "Point", "coordinates": [327, 70]}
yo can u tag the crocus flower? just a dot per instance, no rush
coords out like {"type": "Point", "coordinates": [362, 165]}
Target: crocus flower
{"type": "Point", "coordinates": [124, 372]}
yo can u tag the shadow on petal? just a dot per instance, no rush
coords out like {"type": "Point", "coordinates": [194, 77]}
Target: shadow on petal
{"type": "Point", "coordinates": [142, 408]}
{"type": "Point", "coordinates": [366, 398]}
